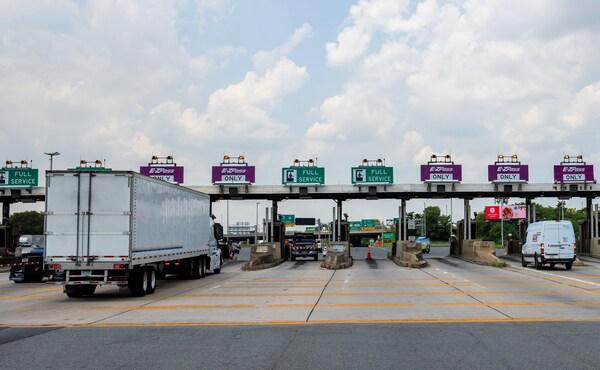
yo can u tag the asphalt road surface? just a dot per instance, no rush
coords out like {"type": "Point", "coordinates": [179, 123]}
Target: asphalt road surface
{"type": "Point", "coordinates": [564, 345]}
{"type": "Point", "coordinates": [451, 315]}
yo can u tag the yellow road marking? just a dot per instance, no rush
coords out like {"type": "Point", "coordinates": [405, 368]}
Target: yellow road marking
{"type": "Point", "coordinates": [319, 322]}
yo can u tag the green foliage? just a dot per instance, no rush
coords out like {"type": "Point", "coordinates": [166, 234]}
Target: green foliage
{"type": "Point", "coordinates": [28, 222]}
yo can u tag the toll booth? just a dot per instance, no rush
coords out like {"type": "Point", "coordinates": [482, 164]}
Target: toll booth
{"type": "Point", "coordinates": [344, 231]}
{"type": "Point", "coordinates": [278, 237]}
{"type": "Point", "coordinates": [456, 245]}
{"type": "Point", "coordinates": [584, 238]}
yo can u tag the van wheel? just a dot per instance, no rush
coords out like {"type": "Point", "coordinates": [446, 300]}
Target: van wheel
{"type": "Point", "coordinates": [538, 263]}
{"type": "Point", "coordinates": [523, 262]}
{"type": "Point", "coordinates": [568, 265]}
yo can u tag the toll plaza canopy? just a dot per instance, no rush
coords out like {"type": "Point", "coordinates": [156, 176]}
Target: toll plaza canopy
{"type": "Point", "coordinates": [401, 191]}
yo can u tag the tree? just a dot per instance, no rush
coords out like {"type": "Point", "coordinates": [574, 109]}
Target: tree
{"type": "Point", "coordinates": [28, 222]}
{"type": "Point", "coordinates": [438, 225]}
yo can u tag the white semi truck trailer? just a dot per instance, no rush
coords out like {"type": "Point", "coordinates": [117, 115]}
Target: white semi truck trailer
{"type": "Point", "coordinates": [121, 228]}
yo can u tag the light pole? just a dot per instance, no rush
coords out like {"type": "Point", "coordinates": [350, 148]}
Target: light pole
{"type": "Point", "coordinates": [256, 226]}
{"type": "Point", "coordinates": [51, 156]}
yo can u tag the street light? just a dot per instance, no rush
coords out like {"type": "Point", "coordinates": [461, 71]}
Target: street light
{"type": "Point", "coordinates": [51, 156]}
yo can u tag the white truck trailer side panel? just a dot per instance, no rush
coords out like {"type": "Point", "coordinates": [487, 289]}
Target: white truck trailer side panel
{"type": "Point", "coordinates": [169, 221]}
{"type": "Point", "coordinates": [88, 214]}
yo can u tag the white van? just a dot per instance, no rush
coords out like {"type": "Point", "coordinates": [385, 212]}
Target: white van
{"type": "Point", "coordinates": [549, 242]}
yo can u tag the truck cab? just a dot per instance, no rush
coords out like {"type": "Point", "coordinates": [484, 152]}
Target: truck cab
{"type": "Point", "coordinates": [304, 245]}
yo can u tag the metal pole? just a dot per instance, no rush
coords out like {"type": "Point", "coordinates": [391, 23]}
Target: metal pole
{"type": "Point", "coordinates": [339, 221]}
{"type": "Point", "coordinates": [227, 238]}
{"type": "Point", "coordinates": [273, 216]}
{"type": "Point", "coordinates": [424, 221]}
{"type": "Point", "coordinates": [451, 221]}
{"type": "Point", "coordinates": [256, 226]}
{"type": "Point", "coordinates": [533, 213]}
{"type": "Point", "coordinates": [466, 220]}
{"type": "Point", "coordinates": [332, 226]}
{"type": "Point", "coordinates": [266, 238]}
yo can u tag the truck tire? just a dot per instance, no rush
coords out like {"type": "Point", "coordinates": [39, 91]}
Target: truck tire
{"type": "Point", "coordinates": [218, 269]}
{"type": "Point", "coordinates": [151, 284]}
{"type": "Point", "coordinates": [138, 279]}
{"type": "Point", "coordinates": [202, 267]}
{"type": "Point", "coordinates": [196, 267]}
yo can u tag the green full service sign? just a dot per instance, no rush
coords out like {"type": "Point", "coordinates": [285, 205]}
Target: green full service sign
{"type": "Point", "coordinates": [303, 176]}
{"type": "Point", "coordinates": [372, 175]}
{"type": "Point", "coordinates": [18, 177]}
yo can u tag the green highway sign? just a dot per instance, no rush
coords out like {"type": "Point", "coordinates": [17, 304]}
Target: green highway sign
{"type": "Point", "coordinates": [367, 223]}
{"type": "Point", "coordinates": [355, 225]}
{"type": "Point", "coordinates": [288, 219]}
{"type": "Point", "coordinates": [10, 177]}
{"type": "Point", "coordinates": [372, 175]}
{"type": "Point", "coordinates": [303, 176]}
{"type": "Point", "coordinates": [388, 235]}
{"type": "Point", "coordinates": [311, 229]}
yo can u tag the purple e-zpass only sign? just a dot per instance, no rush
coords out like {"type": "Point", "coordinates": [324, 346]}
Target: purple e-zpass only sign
{"type": "Point", "coordinates": [441, 172]}
{"type": "Point", "coordinates": [172, 174]}
{"type": "Point", "coordinates": [574, 173]}
{"type": "Point", "coordinates": [233, 174]}
{"type": "Point", "coordinates": [508, 173]}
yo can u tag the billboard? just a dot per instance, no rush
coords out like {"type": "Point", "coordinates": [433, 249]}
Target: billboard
{"type": "Point", "coordinates": [233, 174]}
{"type": "Point", "coordinates": [441, 172]}
{"type": "Point", "coordinates": [172, 174]}
{"type": "Point", "coordinates": [508, 173]}
{"type": "Point", "coordinates": [505, 212]}
{"type": "Point", "coordinates": [573, 173]}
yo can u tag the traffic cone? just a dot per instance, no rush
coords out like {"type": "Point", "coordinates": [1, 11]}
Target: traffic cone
{"type": "Point", "coordinates": [369, 254]}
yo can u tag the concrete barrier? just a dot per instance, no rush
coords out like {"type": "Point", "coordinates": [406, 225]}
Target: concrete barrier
{"type": "Point", "coordinates": [595, 248]}
{"type": "Point", "coordinates": [338, 256]}
{"type": "Point", "coordinates": [480, 251]}
{"type": "Point", "coordinates": [262, 256]}
{"type": "Point", "coordinates": [409, 254]}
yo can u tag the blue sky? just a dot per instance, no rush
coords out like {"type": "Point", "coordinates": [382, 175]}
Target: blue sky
{"type": "Point", "coordinates": [279, 80]}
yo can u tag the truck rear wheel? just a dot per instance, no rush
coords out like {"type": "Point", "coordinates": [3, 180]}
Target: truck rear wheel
{"type": "Point", "coordinates": [138, 280]}
{"type": "Point", "coordinates": [151, 284]}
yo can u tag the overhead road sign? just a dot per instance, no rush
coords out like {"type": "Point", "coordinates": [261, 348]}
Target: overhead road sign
{"type": "Point", "coordinates": [441, 169]}
{"type": "Point", "coordinates": [289, 220]}
{"type": "Point", "coordinates": [298, 174]}
{"type": "Point", "coordinates": [372, 175]}
{"type": "Point", "coordinates": [233, 171]}
{"type": "Point", "coordinates": [355, 225]}
{"type": "Point", "coordinates": [372, 171]}
{"type": "Point", "coordinates": [18, 177]}
{"type": "Point", "coordinates": [163, 168]}
{"type": "Point", "coordinates": [368, 224]}
{"type": "Point", "coordinates": [508, 170]}
{"type": "Point", "coordinates": [573, 170]}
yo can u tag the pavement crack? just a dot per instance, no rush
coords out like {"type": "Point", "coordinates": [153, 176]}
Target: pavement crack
{"type": "Point", "coordinates": [320, 295]}
{"type": "Point", "coordinates": [469, 295]}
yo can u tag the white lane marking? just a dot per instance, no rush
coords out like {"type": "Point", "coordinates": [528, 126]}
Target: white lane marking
{"type": "Point", "coordinates": [561, 276]}
{"type": "Point", "coordinates": [215, 287]}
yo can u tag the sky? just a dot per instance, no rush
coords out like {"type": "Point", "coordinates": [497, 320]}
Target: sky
{"type": "Point", "coordinates": [335, 81]}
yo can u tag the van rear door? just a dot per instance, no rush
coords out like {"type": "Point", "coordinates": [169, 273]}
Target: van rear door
{"type": "Point", "coordinates": [552, 231]}
{"type": "Point", "coordinates": [566, 241]}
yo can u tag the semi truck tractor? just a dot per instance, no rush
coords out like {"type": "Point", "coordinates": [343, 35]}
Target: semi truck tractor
{"type": "Point", "coordinates": [105, 227]}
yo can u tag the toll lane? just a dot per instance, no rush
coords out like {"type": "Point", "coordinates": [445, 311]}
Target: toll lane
{"type": "Point", "coordinates": [301, 292]}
